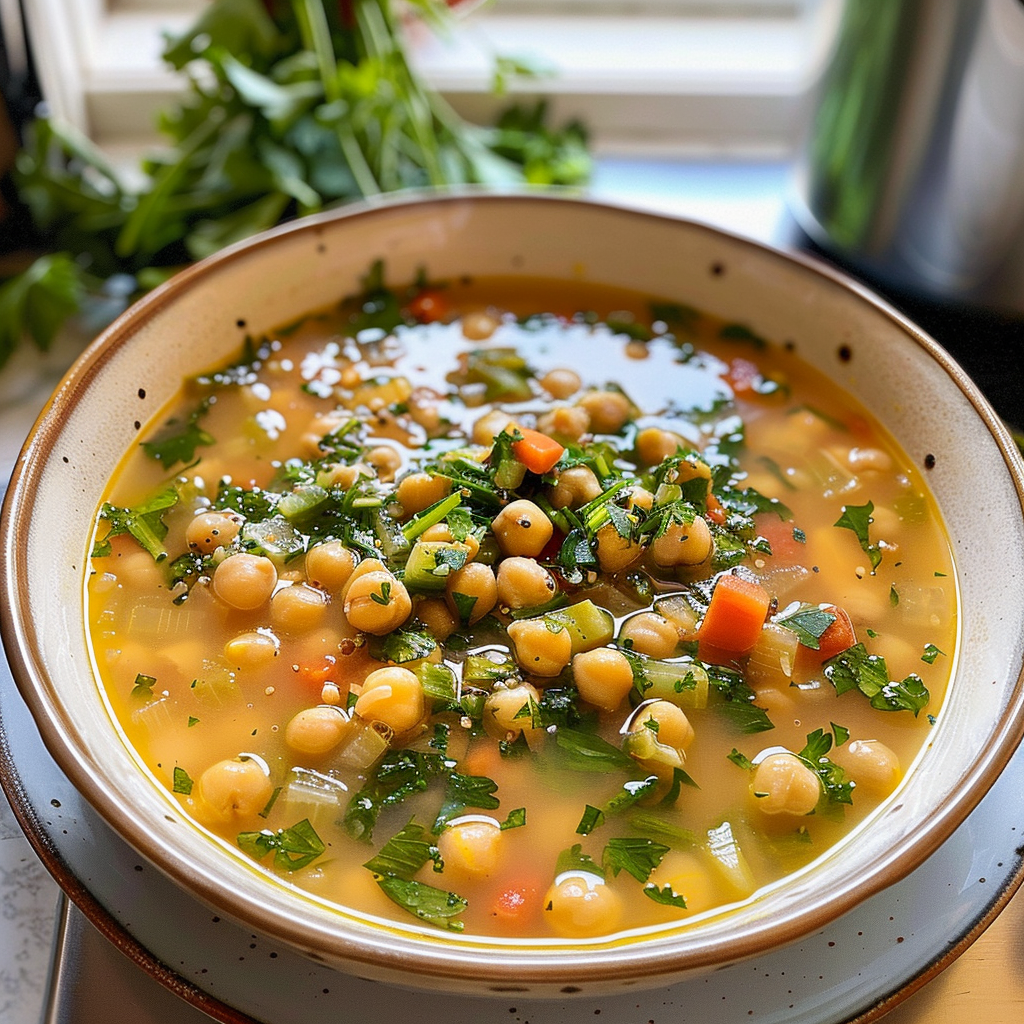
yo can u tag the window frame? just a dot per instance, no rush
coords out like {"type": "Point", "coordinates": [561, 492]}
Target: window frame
{"type": "Point", "coordinates": [696, 78]}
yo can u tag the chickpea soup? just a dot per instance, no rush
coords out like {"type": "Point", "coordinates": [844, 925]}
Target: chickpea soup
{"type": "Point", "coordinates": [521, 608]}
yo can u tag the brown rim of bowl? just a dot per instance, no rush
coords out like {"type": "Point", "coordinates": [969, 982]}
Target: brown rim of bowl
{"type": "Point", "coordinates": [411, 955]}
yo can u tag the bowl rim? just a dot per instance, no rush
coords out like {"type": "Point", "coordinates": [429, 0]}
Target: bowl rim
{"type": "Point", "coordinates": [588, 963]}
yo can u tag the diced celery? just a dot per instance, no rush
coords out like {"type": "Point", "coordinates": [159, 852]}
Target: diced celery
{"type": "Point", "coordinates": [644, 746]}
{"type": "Point", "coordinates": [303, 503]}
{"type": "Point", "coordinates": [393, 543]}
{"type": "Point", "coordinates": [728, 863]}
{"type": "Point", "coordinates": [430, 563]}
{"type": "Point", "coordinates": [588, 624]}
{"type": "Point", "coordinates": [313, 795]}
{"type": "Point", "coordinates": [488, 667]}
{"type": "Point", "coordinates": [364, 745]}
{"type": "Point", "coordinates": [155, 717]}
{"type": "Point", "coordinates": [681, 681]}
{"type": "Point", "coordinates": [216, 686]}
{"type": "Point", "coordinates": [274, 537]}
{"type": "Point", "coordinates": [772, 658]}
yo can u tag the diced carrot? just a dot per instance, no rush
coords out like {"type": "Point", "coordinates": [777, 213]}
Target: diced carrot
{"type": "Point", "coordinates": [536, 451]}
{"type": "Point", "coordinates": [779, 534]}
{"type": "Point", "coordinates": [318, 672]}
{"type": "Point", "coordinates": [838, 637]}
{"type": "Point", "coordinates": [735, 615]}
{"type": "Point", "coordinates": [515, 905]}
{"type": "Point", "coordinates": [715, 511]}
{"type": "Point", "coordinates": [429, 306]}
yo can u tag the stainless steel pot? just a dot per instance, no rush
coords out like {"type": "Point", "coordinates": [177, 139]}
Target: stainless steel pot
{"type": "Point", "coordinates": [913, 169]}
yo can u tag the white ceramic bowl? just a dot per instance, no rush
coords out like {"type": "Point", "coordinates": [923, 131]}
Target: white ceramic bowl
{"type": "Point", "coordinates": [911, 385]}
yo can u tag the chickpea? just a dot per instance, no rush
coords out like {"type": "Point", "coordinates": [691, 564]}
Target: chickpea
{"type": "Point", "coordinates": [567, 423]}
{"type": "Point", "coordinates": [524, 583]}
{"type": "Point", "coordinates": [233, 789]}
{"type": "Point", "coordinates": [437, 617]}
{"type": "Point", "coordinates": [392, 696]}
{"type": "Point", "coordinates": [687, 877]}
{"type": "Point", "coordinates": [574, 487]}
{"type": "Point", "coordinates": [521, 528]}
{"type": "Point", "coordinates": [479, 325]}
{"type": "Point", "coordinates": [471, 847]}
{"type": "Point", "coordinates": [873, 765]}
{"type": "Point", "coordinates": [608, 410]}
{"type": "Point", "coordinates": [615, 552]}
{"type": "Point", "coordinates": [654, 445]}
{"type": "Point", "coordinates": [252, 650]}
{"type": "Point", "coordinates": [316, 731]}
{"type": "Point", "coordinates": [668, 722]}
{"type": "Point", "coordinates": [561, 382]}
{"type": "Point", "coordinates": [138, 569]}
{"type": "Point", "coordinates": [490, 425]}
{"type": "Point", "coordinates": [318, 428]}
{"type": "Point", "coordinates": [442, 532]}
{"type": "Point", "coordinates": [211, 530]}
{"type": "Point", "coordinates": [683, 544]}
{"type": "Point", "coordinates": [507, 711]}
{"type": "Point", "coordinates": [580, 905]}
{"type": "Point", "coordinates": [298, 609]}
{"type": "Point", "coordinates": [650, 634]}
{"type": "Point", "coordinates": [330, 565]}
{"type": "Point", "coordinates": [540, 651]}
{"type": "Point", "coordinates": [603, 677]}
{"type": "Point", "coordinates": [245, 581]}
{"type": "Point", "coordinates": [418, 491]}
{"type": "Point", "coordinates": [783, 784]}
{"type": "Point", "coordinates": [367, 565]}
{"type": "Point", "coordinates": [638, 497]}
{"type": "Point", "coordinates": [861, 459]}
{"type": "Point", "coordinates": [377, 603]}
{"type": "Point", "coordinates": [345, 476]}
{"type": "Point", "coordinates": [471, 592]}
{"type": "Point", "coordinates": [386, 461]}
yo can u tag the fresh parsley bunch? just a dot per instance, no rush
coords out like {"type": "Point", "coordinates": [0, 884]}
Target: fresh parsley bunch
{"type": "Point", "coordinates": [292, 106]}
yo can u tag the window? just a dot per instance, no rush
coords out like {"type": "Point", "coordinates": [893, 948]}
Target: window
{"type": "Point", "coordinates": [712, 78]}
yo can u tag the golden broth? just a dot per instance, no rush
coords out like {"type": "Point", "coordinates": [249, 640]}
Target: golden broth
{"type": "Point", "coordinates": [558, 810]}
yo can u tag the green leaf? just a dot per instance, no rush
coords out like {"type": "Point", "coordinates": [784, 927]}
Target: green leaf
{"type": "Point", "coordinates": [808, 621]}
{"type": "Point", "coordinates": [585, 752]}
{"type": "Point", "coordinates": [855, 669]}
{"type": "Point", "coordinates": [666, 896]}
{"type": "Point", "coordinates": [574, 859]}
{"type": "Point", "coordinates": [516, 818]}
{"type": "Point", "coordinates": [637, 856]}
{"type": "Point", "coordinates": [143, 685]}
{"type": "Point", "coordinates": [429, 904]}
{"type": "Point", "coordinates": [402, 645]}
{"type": "Point", "coordinates": [182, 781]}
{"type": "Point", "coordinates": [858, 519]}
{"type": "Point", "coordinates": [593, 817]}
{"type": "Point", "coordinates": [405, 853]}
{"type": "Point", "coordinates": [740, 760]}
{"type": "Point", "coordinates": [466, 791]}
{"type": "Point", "coordinates": [931, 652]}
{"type": "Point", "coordinates": [38, 301]}
{"type": "Point", "coordinates": [238, 26]}
{"type": "Point", "coordinates": [293, 848]}
{"type": "Point", "coordinates": [177, 440]}
{"type": "Point", "coordinates": [144, 522]}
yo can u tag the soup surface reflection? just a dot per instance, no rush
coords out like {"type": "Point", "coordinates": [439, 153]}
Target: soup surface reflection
{"type": "Point", "coordinates": [523, 608]}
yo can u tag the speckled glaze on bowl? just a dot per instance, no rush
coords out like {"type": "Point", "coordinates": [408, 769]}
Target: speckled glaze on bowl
{"type": "Point", "coordinates": [200, 318]}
